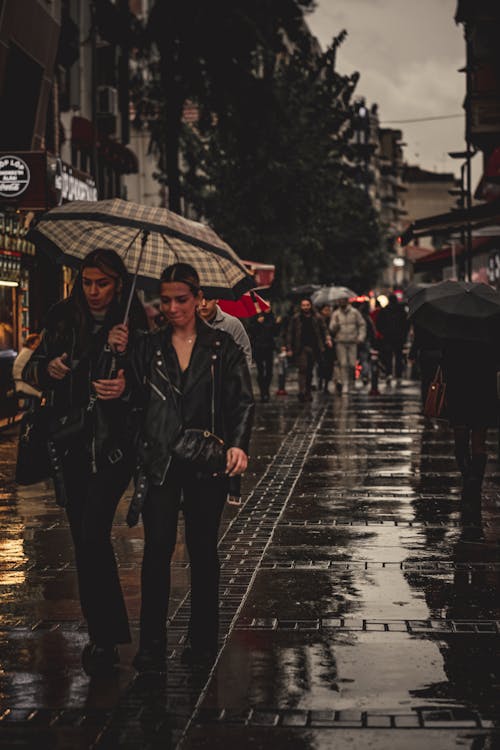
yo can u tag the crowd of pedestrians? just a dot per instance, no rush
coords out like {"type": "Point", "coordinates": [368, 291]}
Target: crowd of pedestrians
{"type": "Point", "coordinates": [171, 408]}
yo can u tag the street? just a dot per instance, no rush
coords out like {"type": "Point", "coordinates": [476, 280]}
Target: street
{"type": "Point", "coordinates": [359, 601]}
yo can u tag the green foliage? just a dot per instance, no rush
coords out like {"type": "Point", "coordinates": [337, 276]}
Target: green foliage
{"type": "Point", "coordinates": [271, 176]}
{"type": "Point", "coordinates": [268, 161]}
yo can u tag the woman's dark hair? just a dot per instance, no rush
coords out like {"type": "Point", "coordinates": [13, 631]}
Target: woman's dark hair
{"type": "Point", "coordinates": [110, 263]}
{"type": "Point", "coordinates": [183, 273]}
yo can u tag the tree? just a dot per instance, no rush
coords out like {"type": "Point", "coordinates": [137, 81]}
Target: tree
{"type": "Point", "coordinates": [272, 176]}
{"type": "Point", "coordinates": [194, 63]}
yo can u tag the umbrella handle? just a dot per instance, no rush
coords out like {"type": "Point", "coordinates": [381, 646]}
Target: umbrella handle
{"type": "Point", "coordinates": [144, 239]}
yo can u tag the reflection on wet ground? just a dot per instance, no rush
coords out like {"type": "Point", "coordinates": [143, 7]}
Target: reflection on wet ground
{"type": "Point", "coordinates": [358, 595]}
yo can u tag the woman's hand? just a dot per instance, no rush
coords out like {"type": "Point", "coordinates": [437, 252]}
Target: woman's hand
{"type": "Point", "coordinates": [118, 338]}
{"type": "Point", "coordinates": [56, 367]}
{"type": "Point", "coordinates": [237, 462]}
{"type": "Point", "coordinates": [109, 389]}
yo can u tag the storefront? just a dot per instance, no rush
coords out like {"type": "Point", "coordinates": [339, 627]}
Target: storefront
{"type": "Point", "coordinates": [31, 182]}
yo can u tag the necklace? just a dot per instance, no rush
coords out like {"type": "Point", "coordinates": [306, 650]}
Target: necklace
{"type": "Point", "coordinates": [188, 340]}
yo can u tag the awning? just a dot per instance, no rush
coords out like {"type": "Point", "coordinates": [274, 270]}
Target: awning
{"type": "Point", "coordinates": [120, 157]}
{"type": "Point", "coordinates": [482, 215]}
{"type": "Point", "coordinates": [441, 258]}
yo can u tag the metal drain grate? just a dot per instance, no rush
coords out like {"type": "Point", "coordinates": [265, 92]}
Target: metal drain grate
{"type": "Point", "coordinates": [438, 718]}
{"type": "Point", "coordinates": [414, 627]}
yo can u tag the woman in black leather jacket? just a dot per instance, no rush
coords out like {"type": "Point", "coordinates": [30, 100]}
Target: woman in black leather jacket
{"type": "Point", "coordinates": [172, 370]}
{"type": "Point", "coordinates": [96, 450]}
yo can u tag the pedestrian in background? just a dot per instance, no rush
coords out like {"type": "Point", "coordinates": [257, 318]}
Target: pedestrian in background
{"type": "Point", "coordinates": [470, 373]}
{"type": "Point", "coordinates": [262, 330]}
{"type": "Point", "coordinates": [23, 389]}
{"type": "Point", "coordinates": [392, 323]}
{"type": "Point", "coordinates": [306, 344]}
{"type": "Point", "coordinates": [325, 364]}
{"type": "Point", "coordinates": [98, 441]}
{"type": "Point", "coordinates": [187, 377]}
{"type": "Point", "coordinates": [211, 313]}
{"type": "Point", "coordinates": [366, 346]}
{"type": "Point", "coordinates": [348, 329]}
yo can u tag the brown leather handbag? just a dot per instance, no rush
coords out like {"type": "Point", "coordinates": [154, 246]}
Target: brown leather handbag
{"type": "Point", "coordinates": [435, 400]}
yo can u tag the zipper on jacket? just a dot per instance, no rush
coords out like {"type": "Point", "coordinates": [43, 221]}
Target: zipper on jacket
{"type": "Point", "coordinates": [157, 390]}
{"type": "Point", "coordinates": [167, 467]}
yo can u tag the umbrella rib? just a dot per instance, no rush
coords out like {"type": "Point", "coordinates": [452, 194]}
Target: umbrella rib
{"type": "Point", "coordinates": [172, 248]}
{"type": "Point", "coordinates": [131, 243]}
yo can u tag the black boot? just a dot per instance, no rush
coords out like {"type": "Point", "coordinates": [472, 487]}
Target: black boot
{"type": "Point", "coordinates": [151, 657]}
{"type": "Point", "coordinates": [473, 482]}
{"type": "Point", "coordinates": [99, 660]}
{"type": "Point", "coordinates": [463, 462]}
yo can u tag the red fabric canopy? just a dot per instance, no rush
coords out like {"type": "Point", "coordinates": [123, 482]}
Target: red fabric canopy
{"type": "Point", "coordinates": [247, 306]}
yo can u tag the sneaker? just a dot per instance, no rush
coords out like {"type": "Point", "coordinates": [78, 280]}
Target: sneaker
{"type": "Point", "coordinates": [281, 392]}
{"type": "Point", "coordinates": [152, 658]}
{"type": "Point", "coordinates": [99, 660]}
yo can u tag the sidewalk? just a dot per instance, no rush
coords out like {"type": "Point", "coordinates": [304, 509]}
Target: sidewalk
{"type": "Point", "coordinates": [359, 607]}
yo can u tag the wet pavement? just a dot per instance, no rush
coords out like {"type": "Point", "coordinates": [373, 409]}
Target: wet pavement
{"type": "Point", "coordinates": [359, 600]}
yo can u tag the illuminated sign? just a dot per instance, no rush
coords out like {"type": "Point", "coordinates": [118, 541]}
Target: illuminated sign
{"type": "Point", "coordinates": [14, 176]}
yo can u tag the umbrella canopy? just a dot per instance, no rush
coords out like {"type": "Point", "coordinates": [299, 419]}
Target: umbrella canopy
{"type": "Point", "coordinates": [148, 239]}
{"type": "Point", "coordinates": [412, 289]}
{"type": "Point", "coordinates": [247, 306]}
{"type": "Point", "coordinates": [328, 295]}
{"type": "Point", "coordinates": [458, 310]}
{"type": "Point", "coordinates": [304, 290]}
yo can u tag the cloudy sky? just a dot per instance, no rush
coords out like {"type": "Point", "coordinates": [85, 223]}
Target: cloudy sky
{"type": "Point", "coordinates": [408, 54]}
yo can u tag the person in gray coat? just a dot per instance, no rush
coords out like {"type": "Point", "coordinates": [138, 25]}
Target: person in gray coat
{"type": "Point", "coordinates": [211, 313]}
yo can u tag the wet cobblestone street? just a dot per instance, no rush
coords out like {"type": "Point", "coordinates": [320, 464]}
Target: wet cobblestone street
{"type": "Point", "coordinates": [359, 600]}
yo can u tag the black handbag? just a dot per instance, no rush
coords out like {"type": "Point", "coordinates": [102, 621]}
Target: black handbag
{"type": "Point", "coordinates": [33, 464]}
{"type": "Point", "coordinates": [204, 450]}
{"type": "Point", "coordinates": [65, 428]}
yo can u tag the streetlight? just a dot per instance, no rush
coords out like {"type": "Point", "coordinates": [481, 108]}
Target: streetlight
{"type": "Point", "coordinates": [466, 190]}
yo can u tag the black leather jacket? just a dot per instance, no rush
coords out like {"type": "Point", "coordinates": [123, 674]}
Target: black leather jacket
{"type": "Point", "coordinates": [110, 426]}
{"type": "Point", "coordinates": [169, 406]}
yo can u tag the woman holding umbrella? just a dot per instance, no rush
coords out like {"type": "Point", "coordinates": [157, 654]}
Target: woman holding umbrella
{"type": "Point", "coordinates": [465, 317]}
{"type": "Point", "coordinates": [94, 434]}
{"type": "Point", "coordinates": [190, 379]}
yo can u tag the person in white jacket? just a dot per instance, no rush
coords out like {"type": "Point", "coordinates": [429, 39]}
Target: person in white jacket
{"type": "Point", "coordinates": [348, 329]}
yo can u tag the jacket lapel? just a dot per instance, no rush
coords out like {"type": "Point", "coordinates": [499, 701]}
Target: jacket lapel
{"type": "Point", "coordinates": [165, 362]}
{"type": "Point", "coordinates": [201, 358]}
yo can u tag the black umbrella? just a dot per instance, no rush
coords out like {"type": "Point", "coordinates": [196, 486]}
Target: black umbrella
{"type": "Point", "coordinates": [458, 310]}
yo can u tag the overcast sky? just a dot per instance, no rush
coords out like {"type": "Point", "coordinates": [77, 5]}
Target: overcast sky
{"type": "Point", "coordinates": [408, 53]}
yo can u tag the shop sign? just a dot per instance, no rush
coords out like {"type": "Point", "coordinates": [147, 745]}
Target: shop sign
{"type": "Point", "coordinates": [493, 269]}
{"type": "Point", "coordinates": [72, 185]}
{"type": "Point", "coordinates": [37, 180]}
{"type": "Point", "coordinates": [14, 176]}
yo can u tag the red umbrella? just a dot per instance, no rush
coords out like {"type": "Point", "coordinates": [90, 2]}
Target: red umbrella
{"type": "Point", "coordinates": [247, 306]}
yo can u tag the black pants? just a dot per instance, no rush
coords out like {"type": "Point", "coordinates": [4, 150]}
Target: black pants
{"type": "Point", "coordinates": [92, 502]}
{"type": "Point", "coordinates": [264, 361]}
{"type": "Point", "coordinates": [305, 364]}
{"type": "Point", "coordinates": [202, 505]}
{"type": "Point", "coordinates": [390, 351]}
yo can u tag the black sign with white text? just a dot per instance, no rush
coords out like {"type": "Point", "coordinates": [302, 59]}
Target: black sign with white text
{"type": "Point", "coordinates": [14, 176]}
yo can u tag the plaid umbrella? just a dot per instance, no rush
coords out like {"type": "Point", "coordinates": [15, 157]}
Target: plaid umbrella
{"type": "Point", "coordinates": [148, 239]}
